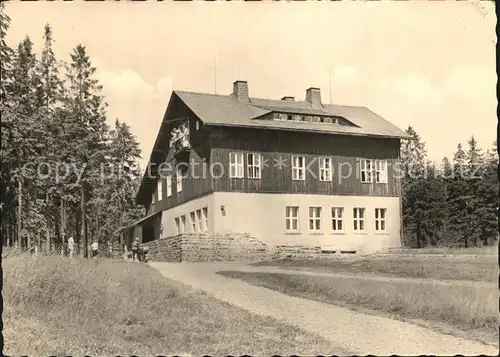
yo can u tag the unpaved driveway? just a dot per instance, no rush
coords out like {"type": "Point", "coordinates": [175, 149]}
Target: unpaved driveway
{"type": "Point", "coordinates": [350, 330]}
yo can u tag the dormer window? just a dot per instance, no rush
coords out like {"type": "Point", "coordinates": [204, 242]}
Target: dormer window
{"type": "Point", "coordinates": [289, 117]}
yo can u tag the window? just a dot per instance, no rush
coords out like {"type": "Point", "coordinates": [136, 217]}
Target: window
{"type": "Point", "coordinates": [183, 223]}
{"type": "Point", "coordinates": [381, 171]}
{"type": "Point", "coordinates": [289, 117]}
{"type": "Point", "coordinates": [197, 125]}
{"type": "Point", "coordinates": [314, 218]}
{"type": "Point", "coordinates": [380, 218]}
{"type": "Point", "coordinates": [366, 170]}
{"type": "Point", "coordinates": [298, 168]}
{"type": "Point", "coordinates": [359, 219]}
{"type": "Point", "coordinates": [253, 165]}
{"type": "Point", "coordinates": [169, 185]}
{"type": "Point", "coordinates": [292, 219]}
{"type": "Point", "coordinates": [325, 169]}
{"type": "Point", "coordinates": [235, 165]}
{"type": "Point", "coordinates": [179, 180]}
{"type": "Point", "coordinates": [205, 219]}
{"type": "Point", "coordinates": [153, 198]}
{"type": "Point", "coordinates": [328, 120]}
{"type": "Point", "coordinates": [337, 214]}
{"type": "Point", "coordinates": [159, 189]}
{"type": "Point", "coordinates": [177, 226]}
{"type": "Point", "coordinates": [198, 221]}
{"type": "Point", "coordinates": [193, 222]}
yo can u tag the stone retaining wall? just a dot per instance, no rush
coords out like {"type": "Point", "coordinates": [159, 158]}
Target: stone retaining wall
{"type": "Point", "coordinates": [207, 247]}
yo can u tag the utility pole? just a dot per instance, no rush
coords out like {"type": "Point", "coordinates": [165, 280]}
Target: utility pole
{"type": "Point", "coordinates": [330, 82]}
{"type": "Point", "coordinates": [215, 75]}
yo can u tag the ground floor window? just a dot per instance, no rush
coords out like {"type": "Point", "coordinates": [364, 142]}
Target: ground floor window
{"type": "Point", "coordinates": [359, 219]}
{"type": "Point", "coordinates": [193, 222]}
{"type": "Point", "coordinates": [205, 219]}
{"type": "Point", "coordinates": [337, 219]}
{"type": "Point", "coordinates": [177, 225]}
{"type": "Point", "coordinates": [380, 217]}
{"type": "Point", "coordinates": [315, 219]}
{"type": "Point", "coordinates": [292, 219]}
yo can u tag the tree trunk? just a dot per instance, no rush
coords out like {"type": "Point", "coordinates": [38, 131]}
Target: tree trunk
{"type": "Point", "coordinates": [83, 225]}
{"type": "Point", "coordinates": [20, 211]}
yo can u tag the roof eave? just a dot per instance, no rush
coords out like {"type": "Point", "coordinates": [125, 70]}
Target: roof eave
{"type": "Point", "coordinates": [309, 130]}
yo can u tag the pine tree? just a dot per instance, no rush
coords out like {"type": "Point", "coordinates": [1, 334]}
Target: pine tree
{"type": "Point", "coordinates": [413, 159]}
{"type": "Point", "coordinates": [85, 127]}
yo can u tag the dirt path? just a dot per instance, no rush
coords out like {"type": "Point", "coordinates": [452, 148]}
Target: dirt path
{"type": "Point", "coordinates": [349, 330]}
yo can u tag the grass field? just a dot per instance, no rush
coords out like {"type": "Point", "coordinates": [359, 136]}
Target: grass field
{"type": "Point", "coordinates": [427, 267]}
{"type": "Point", "coordinates": [470, 310]}
{"type": "Point", "coordinates": [53, 305]}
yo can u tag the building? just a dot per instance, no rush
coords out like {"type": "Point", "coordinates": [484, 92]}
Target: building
{"type": "Point", "coordinates": [288, 172]}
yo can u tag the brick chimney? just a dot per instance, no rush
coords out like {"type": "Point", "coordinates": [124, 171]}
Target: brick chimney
{"type": "Point", "coordinates": [288, 99]}
{"type": "Point", "coordinates": [313, 97]}
{"type": "Point", "coordinates": [240, 91]}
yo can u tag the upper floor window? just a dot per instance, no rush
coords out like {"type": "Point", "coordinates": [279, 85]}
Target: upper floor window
{"type": "Point", "coordinates": [366, 170]}
{"type": "Point", "coordinates": [337, 219]}
{"type": "Point", "coordinates": [381, 171]}
{"type": "Point", "coordinates": [315, 219]}
{"type": "Point", "coordinates": [253, 166]}
{"type": "Point", "coordinates": [359, 219]}
{"type": "Point", "coordinates": [292, 219]}
{"type": "Point", "coordinates": [325, 169]}
{"type": "Point", "coordinates": [179, 180]}
{"type": "Point", "coordinates": [159, 189]}
{"type": "Point", "coordinates": [298, 168]}
{"type": "Point", "coordinates": [235, 165]}
{"type": "Point", "coordinates": [169, 185]}
{"type": "Point", "coordinates": [380, 217]}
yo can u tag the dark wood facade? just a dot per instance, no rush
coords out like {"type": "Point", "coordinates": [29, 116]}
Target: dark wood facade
{"type": "Point", "coordinates": [274, 146]}
{"type": "Point", "coordinates": [210, 148]}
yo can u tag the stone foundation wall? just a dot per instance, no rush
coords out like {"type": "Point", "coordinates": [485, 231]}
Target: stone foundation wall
{"type": "Point", "coordinates": [304, 252]}
{"type": "Point", "coordinates": [207, 247]}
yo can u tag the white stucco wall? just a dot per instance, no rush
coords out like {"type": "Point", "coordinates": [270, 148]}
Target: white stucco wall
{"type": "Point", "coordinates": [263, 216]}
{"type": "Point", "coordinates": [168, 216]}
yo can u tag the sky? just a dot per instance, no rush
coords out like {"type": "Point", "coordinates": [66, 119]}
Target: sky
{"type": "Point", "coordinates": [430, 65]}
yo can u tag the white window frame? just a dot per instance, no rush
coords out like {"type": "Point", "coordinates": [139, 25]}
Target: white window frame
{"type": "Point", "coordinates": [337, 217]}
{"type": "Point", "coordinates": [177, 225]}
{"type": "Point", "coordinates": [236, 165]}
{"type": "Point", "coordinates": [291, 216]}
{"type": "Point", "coordinates": [192, 215]}
{"type": "Point", "coordinates": [159, 189]}
{"type": "Point", "coordinates": [168, 180]}
{"type": "Point", "coordinates": [254, 169]}
{"type": "Point", "coordinates": [315, 216]}
{"type": "Point", "coordinates": [325, 170]}
{"type": "Point", "coordinates": [178, 177]}
{"type": "Point", "coordinates": [381, 171]}
{"type": "Point", "coordinates": [298, 167]}
{"type": "Point", "coordinates": [380, 221]}
{"type": "Point", "coordinates": [204, 213]}
{"type": "Point", "coordinates": [366, 170]}
{"type": "Point", "coordinates": [357, 212]}
{"type": "Point", "coordinates": [198, 220]}
{"type": "Point", "coordinates": [183, 223]}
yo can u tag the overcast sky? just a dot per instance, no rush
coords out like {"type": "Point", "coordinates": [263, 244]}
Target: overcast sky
{"type": "Point", "coordinates": [430, 65]}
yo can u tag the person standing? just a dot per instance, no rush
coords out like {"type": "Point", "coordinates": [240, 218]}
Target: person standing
{"type": "Point", "coordinates": [135, 249]}
{"type": "Point", "coordinates": [71, 246]}
{"type": "Point", "coordinates": [94, 248]}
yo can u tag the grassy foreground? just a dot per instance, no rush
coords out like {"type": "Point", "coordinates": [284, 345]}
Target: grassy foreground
{"type": "Point", "coordinates": [441, 268]}
{"type": "Point", "coordinates": [471, 309]}
{"type": "Point", "coordinates": [54, 305]}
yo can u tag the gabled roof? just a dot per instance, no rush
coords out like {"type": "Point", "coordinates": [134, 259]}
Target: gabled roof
{"type": "Point", "coordinates": [225, 110]}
